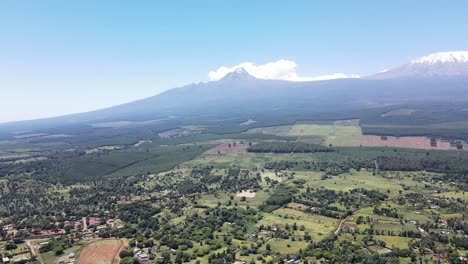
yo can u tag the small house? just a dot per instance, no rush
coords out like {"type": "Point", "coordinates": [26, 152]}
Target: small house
{"type": "Point", "coordinates": [94, 221]}
{"type": "Point", "coordinates": [274, 227]}
{"type": "Point", "coordinates": [314, 209]}
{"type": "Point", "coordinates": [8, 227]}
{"type": "Point", "coordinates": [143, 258]}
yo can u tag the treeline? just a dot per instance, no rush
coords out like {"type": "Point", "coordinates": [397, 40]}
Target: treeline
{"type": "Point", "coordinates": [449, 166]}
{"type": "Point", "coordinates": [330, 167]}
{"type": "Point", "coordinates": [454, 168]}
{"type": "Point", "coordinates": [287, 147]}
{"type": "Point", "coordinates": [416, 131]}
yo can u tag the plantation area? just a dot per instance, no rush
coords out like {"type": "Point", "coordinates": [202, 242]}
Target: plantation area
{"type": "Point", "coordinates": [347, 133]}
{"type": "Point", "coordinates": [338, 133]}
{"type": "Point", "coordinates": [250, 197]}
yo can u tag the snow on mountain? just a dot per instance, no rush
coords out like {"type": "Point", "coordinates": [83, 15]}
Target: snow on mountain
{"type": "Point", "coordinates": [240, 74]}
{"type": "Point", "coordinates": [443, 57]}
{"type": "Point", "coordinates": [441, 64]}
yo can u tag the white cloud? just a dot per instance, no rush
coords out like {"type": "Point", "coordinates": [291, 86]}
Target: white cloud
{"type": "Point", "coordinates": [278, 70]}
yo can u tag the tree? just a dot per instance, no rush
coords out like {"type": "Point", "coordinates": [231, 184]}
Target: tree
{"type": "Point", "coordinates": [11, 246]}
{"type": "Point", "coordinates": [58, 250]}
{"type": "Point", "coordinates": [125, 253]}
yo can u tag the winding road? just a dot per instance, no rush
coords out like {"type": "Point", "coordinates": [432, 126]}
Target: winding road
{"type": "Point", "coordinates": [338, 229]}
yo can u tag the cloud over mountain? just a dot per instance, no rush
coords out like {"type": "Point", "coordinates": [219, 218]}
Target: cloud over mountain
{"type": "Point", "coordinates": [277, 70]}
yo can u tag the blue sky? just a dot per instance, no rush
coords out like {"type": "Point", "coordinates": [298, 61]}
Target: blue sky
{"type": "Point", "coordinates": [60, 57]}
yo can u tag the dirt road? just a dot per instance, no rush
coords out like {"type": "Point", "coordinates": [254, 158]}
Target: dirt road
{"type": "Point", "coordinates": [31, 247]}
{"type": "Point", "coordinates": [337, 231]}
{"type": "Point", "coordinates": [85, 225]}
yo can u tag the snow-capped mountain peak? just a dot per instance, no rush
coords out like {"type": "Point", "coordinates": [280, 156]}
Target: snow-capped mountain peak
{"type": "Point", "coordinates": [241, 71]}
{"type": "Point", "coordinates": [441, 64]}
{"type": "Point", "coordinates": [238, 74]}
{"type": "Point", "coordinates": [444, 57]}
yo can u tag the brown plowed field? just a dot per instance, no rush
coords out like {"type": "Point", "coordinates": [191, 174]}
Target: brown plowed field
{"type": "Point", "coordinates": [101, 252]}
{"type": "Point", "coordinates": [226, 149]}
{"type": "Point", "coordinates": [404, 142]}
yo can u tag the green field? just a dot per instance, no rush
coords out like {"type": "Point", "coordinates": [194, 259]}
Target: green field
{"type": "Point", "coordinates": [318, 226]}
{"type": "Point", "coordinates": [337, 134]}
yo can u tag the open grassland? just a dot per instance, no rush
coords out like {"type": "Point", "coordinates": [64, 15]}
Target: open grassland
{"type": "Point", "coordinates": [319, 227]}
{"type": "Point", "coordinates": [351, 180]}
{"type": "Point", "coordinates": [453, 195]}
{"type": "Point", "coordinates": [338, 134]}
{"type": "Point", "coordinates": [244, 160]}
{"type": "Point", "coordinates": [349, 133]}
{"type": "Point", "coordinates": [21, 250]}
{"type": "Point", "coordinates": [258, 160]}
{"type": "Point", "coordinates": [275, 130]}
{"type": "Point", "coordinates": [287, 246]}
{"type": "Point", "coordinates": [395, 241]}
{"type": "Point", "coordinates": [342, 154]}
{"type": "Point", "coordinates": [50, 257]}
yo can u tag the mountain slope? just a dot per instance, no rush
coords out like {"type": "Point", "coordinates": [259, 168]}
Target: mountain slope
{"type": "Point", "coordinates": [441, 64]}
{"type": "Point", "coordinates": [440, 77]}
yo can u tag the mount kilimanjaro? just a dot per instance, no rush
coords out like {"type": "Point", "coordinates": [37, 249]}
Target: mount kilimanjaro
{"type": "Point", "coordinates": [440, 78]}
{"type": "Point", "coordinates": [441, 64]}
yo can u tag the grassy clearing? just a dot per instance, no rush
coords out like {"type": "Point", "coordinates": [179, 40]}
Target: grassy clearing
{"type": "Point", "coordinates": [22, 248]}
{"type": "Point", "coordinates": [410, 214]}
{"type": "Point", "coordinates": [317, 226]}
{"type": "Point", "coordinates": [50, 257]}
{"type": "Point", "coordinates": [286, 246]}
{"type": "Point", "coordinates": [276, 130]}
{"type": "Point", "coordinates": [337, 134]}
{"type": "Point", "coordinates": [351, 180]}
{"type": "Point", "coordinates": [453, 195]}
